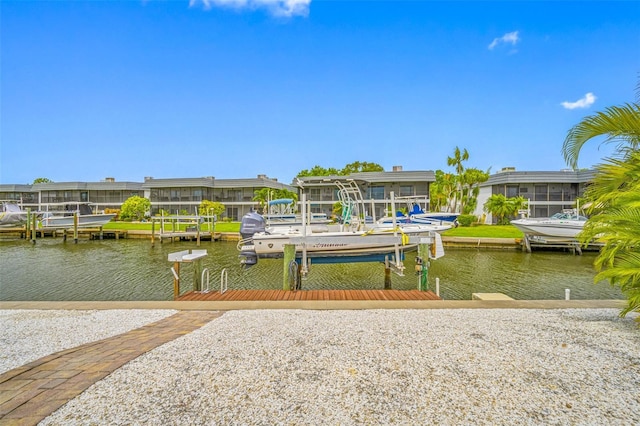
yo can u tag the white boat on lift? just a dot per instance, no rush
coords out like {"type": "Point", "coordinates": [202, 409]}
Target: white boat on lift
{"type": "Point", "coordinates": [65, 219]}
{"type": "Point", "coordinates": [12, 215]}
{"type": "Point", "coordinates": [355, 236]}
{"type": "Point", "coordinates": [561, 226]}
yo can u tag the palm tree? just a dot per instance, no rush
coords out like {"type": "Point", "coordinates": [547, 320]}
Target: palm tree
{"type": "Point", "coordinates": [456, 160]}
{"type": "Point", "coordinates": [614, 197]}
{"type": "Point", "coordinates": [498, 205]}
{"type": "Point", "coordinates": [619, 124]}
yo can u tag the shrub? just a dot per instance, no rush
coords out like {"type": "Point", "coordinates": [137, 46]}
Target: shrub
{"type": "Point", "coordinates": [467, 219]}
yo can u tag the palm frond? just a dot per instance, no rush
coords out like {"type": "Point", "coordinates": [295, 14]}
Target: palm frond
{"type": "Point", "coordinates": [619, 124]}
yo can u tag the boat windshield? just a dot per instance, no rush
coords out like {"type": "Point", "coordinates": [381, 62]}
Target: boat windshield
{"type": "Point", "coordinates": [568, 216]}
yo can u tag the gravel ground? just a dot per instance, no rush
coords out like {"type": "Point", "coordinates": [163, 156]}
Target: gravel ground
{"type": "Point", "coordinates": [449, 367]}
{"type": "Point", "coordinates": [27, 335]}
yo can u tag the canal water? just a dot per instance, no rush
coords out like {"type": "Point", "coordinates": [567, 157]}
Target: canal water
{"type": "Point", "coordinates": [132, 269]}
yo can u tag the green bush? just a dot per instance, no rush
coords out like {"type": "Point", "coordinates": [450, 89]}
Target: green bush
{"type": "Point", "coordinates": [467, 219]}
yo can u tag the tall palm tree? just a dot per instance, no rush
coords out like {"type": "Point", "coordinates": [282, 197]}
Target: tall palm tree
{"type": "Point", "coordinates": [614, 197]}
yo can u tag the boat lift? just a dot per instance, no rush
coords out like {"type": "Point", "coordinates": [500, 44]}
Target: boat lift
{"type": "Point", "coordinates": [187, 256]}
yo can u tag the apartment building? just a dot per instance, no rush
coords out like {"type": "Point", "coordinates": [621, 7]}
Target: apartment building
{"type": "Point", "coordinates": [548, 192]}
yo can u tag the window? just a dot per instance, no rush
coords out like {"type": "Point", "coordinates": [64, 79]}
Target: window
{"type": "Point", "coordinates": [512, 191]}
{"type": "Point", "coordinates": [541, 193]}
{"type": "Point", "coordinates": [376, 192]}
{"type": "Point", "coordinates": [406, 190]}
{"type": "Point", "coordinates": [555, 192]}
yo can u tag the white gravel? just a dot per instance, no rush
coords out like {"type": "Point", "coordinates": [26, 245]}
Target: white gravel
{"type": "Point", "coordinates": [26, 335]}
{"type": "Point", "coordinates": [449, 367]}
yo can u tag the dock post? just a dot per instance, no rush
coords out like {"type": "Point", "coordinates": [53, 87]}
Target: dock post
{"type": "Point", "coordinates": [33, 228]}
{"type": "Point", "coordinates": [75, 227]}
{"type": "Point", "coordinates": [423, 253]}
{"type": "Point", "coordinates": [27, 234]}
{"type": "Point", "coordinates": [176, 279]}
{"type": "Point", "coordinates": [387, 274]}
{"type": "Point", "coordinates": [153, 232]}
{"type": "Point", "coordinates": [438, 287]}
{"type": "Point", "coordinates": [289, 256]}
{"type": "Point", "coordinates": [197, 275]}
{"type": "Point", "coordinates": [102, 235]}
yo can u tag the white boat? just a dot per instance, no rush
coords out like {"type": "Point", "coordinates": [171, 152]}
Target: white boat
{"type": "Point", "coordinates": [566, 225]}
{"type": "Point", "coordinates": [355, 237]}
{"type": "Point", "coordinates": [416, 213]}
{"type": "Point", "coordinates": [86, 217]}
{"type": "Point", "coordinates": [12, 215]}
{"type": "Point", "coordinates": [341, 243]}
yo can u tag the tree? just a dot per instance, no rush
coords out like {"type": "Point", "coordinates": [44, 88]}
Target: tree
{"type": "Point", "coordinates": [208, 208]}
{"type": "Point", "coordinates": [264, 195]}
{"type": "Point", "coordinates": [459, 192]}
{"type": "Point", "coordinates": [318, 171]}
{"type": "Point", "coordinates": [614, 197]}
{"type": "Point", "coordinates": [359, 167]}
{"type": "Point", "coordinates": [442, 191]}
{"type": "Point", "coordinates": [42, 180]}
{"type": "Point", "coordinates": [135, 208]}
{"type": "Point", "coordinates": [504, 208]}
{"type": "Point", "coordinates": [355, 167]}
{"type": "Point", "coordinates": [470, 181]}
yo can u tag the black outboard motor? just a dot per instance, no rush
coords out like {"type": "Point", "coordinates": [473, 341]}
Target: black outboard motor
{"type": "Point", "coordinates": [251, 223]}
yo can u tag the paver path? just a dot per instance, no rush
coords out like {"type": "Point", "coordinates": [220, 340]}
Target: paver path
{"type": "Point", "coordinates": [30, 393]}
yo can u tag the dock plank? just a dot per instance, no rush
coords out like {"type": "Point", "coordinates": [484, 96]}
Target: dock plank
{"type": "Point", "coordinates": [269, 295]}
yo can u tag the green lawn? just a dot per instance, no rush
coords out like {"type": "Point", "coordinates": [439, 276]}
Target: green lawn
{"type": "Point", "coordinates": [489, 231]}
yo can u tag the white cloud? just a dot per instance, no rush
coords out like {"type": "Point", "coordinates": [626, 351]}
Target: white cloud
{"type": "Point", "coordinates": [585, 102]}
{"type": "Point", "coordinates": [507, 38]}
{"type": "Point", "coordinates": [284, 8]}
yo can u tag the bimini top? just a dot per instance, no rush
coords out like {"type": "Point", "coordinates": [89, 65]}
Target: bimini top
{"type": "Point", "coordinates": [281, 201]}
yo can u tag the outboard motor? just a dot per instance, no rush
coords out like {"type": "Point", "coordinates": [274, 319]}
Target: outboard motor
{"type": "Point", "coordinates": [251, 223]}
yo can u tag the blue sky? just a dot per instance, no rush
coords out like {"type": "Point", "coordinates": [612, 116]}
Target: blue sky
{"type": "Point", "coordinates": [233, 89]}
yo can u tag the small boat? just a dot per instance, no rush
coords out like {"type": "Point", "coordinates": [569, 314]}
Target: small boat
{"type": "Point", "coordinates": [565, 225]}
{"type": "Point", "coordinates": [416, 214]}
{"type": "Point", "coordinates": [12, 215]}
{"type": "Point", "coordinates": [86, 217]}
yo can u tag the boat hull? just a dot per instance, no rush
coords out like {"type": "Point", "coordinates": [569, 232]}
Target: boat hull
{"type": "Point", "coordinates": [84, 221]}
{"type": "Point", "coordinates": [554, 229]}
{"type": "Point", "coordinates": [336, 244]}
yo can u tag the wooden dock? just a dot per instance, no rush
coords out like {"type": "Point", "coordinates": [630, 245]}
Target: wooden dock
{"type": "Point", "coordinates": [83, 233]}
{"type": "Point", "coordinates": [272, 295]}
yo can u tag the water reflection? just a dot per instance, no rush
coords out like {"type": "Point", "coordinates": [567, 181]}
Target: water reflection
{"type": "Point", "coordinates": [134, 270]}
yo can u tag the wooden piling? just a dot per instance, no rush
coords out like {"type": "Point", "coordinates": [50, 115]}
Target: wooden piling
{"type": "Point", "coordinates": [197, 275]}
{"type": "Point", "coordinates": [33, 228]}
{"type": "Point", "coordinates": [387, 274]}
{"type": "Point", "coordinates": [27, 234]}
{"type": "Point", "coordinates": [423, 253]}
{"type": "Point", "coordinates": [75, 227]}
{"type": "Point", "coordinates": [289, 256]}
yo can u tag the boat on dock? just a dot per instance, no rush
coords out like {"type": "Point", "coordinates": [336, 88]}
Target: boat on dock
{"type": "Point", "coordinates": [12, 215]}
{"type": "Point", "coordinates": [559, 227]}
{"type": "Point", "coordinates": [65, 219]}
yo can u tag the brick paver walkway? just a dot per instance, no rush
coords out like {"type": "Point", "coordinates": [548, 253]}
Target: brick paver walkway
{"type": "Point", "coordinates": [30, 393]}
